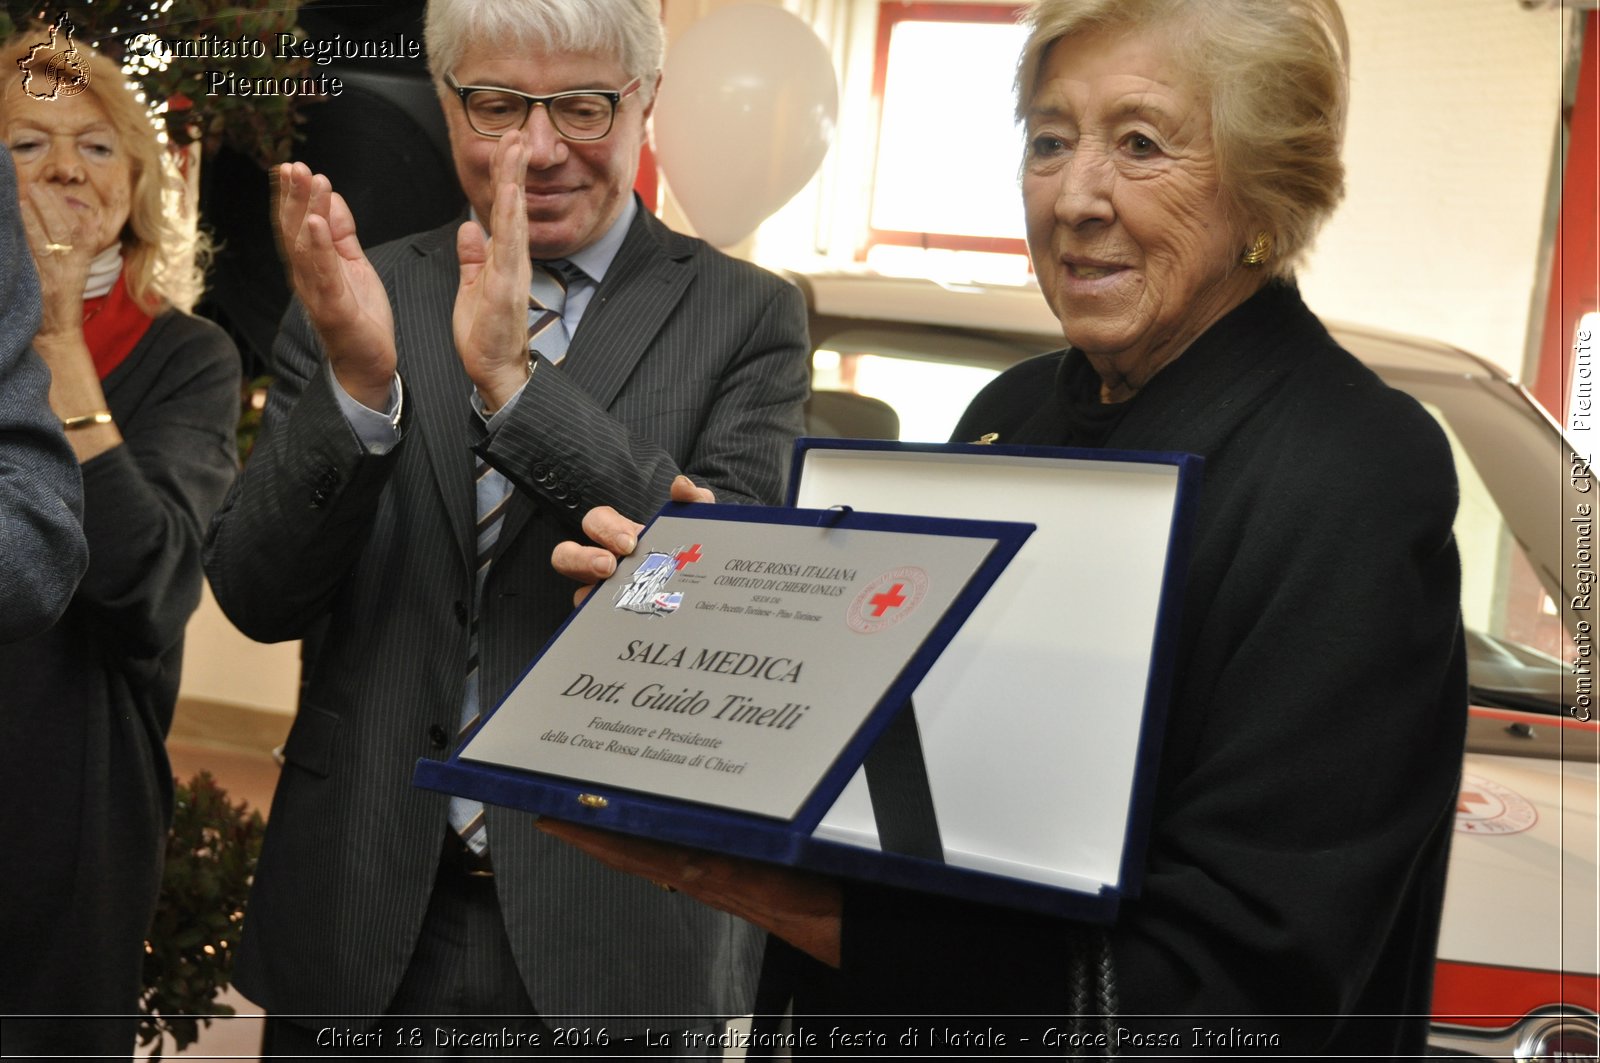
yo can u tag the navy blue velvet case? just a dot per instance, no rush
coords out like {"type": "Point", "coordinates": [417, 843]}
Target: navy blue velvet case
{"type": "Point", "coordinates": [1100, 903]}
{"type": "Point", "coordinates": [794, 842]}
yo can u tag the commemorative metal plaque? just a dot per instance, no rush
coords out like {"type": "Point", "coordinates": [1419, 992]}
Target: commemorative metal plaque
{"type": "Point", "coordinates": [738, 651]}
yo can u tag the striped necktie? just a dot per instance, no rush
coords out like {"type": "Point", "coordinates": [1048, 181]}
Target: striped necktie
{"type": "Point", "coordinates": [547, 298]}
{"type": "Point", "coordinates": [493, 491]}
{"type": "Point", "coordinates": [547, 335]}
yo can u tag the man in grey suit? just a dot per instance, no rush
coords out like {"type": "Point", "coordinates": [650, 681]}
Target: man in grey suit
{"type": "Point", "coordinates": [361, 509]}
{"type": "Point", "coordinates": [42, 552]}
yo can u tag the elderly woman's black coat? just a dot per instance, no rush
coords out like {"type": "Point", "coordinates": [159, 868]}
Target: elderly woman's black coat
{"type": "Point", "coordinates": [1309, 773]}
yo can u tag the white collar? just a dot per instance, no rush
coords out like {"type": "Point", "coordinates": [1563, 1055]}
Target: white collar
{"type": "Point", "coordinates": [104, 269]}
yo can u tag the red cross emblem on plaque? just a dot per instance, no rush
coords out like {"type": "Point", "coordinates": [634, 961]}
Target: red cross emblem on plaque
{"type": "Point", "coordinates": [884, 602]}
{"type": "Point", "coordinates": [890, 599]}
{"type": "Point", "coordinates": [686, 557]}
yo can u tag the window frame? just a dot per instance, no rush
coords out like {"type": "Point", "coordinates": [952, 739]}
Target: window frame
{"type": "Point", "coordinates": [890, 14]}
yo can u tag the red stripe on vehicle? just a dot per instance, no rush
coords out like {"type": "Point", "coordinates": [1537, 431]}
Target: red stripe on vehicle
{"type": "Point", "coordinates": [1535, 719]}
{"type": "Point", "coordinates": [1469, 994]}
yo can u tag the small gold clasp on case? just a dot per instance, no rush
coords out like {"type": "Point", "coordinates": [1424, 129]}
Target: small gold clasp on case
{"type": "Point", "coordinates": [987, 438]}
{"type": "Point", "coordinates": [592, 801]}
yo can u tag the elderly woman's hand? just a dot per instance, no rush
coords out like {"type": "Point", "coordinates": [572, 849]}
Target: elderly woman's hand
{"type": "Point", "coordinates": [615, 536]}
{"type": "Point", "coordinates": [803, 909]}
{"type": "Point", "coordinates": [62, 240]}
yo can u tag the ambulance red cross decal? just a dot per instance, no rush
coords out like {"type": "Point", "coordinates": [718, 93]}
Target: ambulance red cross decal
{"type": "Point", "coordinates": [1488, 807]}
{"type": "Point", "coordinates": [887, 600]}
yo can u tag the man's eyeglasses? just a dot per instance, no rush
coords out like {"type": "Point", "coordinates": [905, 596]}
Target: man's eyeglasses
{"type": "Point", "coordinates": [586, 114]}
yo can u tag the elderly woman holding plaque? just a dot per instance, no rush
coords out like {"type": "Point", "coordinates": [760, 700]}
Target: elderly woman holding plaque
{"type": "Point", "coordinates": [1180, 155]}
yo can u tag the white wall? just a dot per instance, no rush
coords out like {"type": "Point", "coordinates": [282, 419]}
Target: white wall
{"type": "Point", "coordinates": [1455, 110]}
{"type": "Point", "coordinates": [221, 665]}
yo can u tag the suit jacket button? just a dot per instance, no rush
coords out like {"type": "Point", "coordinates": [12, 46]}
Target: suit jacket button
{"type": "Point", "coordinates": [438, 737]}
{"type": "Point", "coordinates": [460, 609]}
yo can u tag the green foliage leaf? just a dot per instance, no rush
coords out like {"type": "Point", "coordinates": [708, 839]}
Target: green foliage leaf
{"type": "Point", "coordinates": [211, 857]}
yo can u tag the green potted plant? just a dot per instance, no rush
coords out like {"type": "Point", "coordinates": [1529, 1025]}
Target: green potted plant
{"type": "Point", "coordinates": [211, 857]}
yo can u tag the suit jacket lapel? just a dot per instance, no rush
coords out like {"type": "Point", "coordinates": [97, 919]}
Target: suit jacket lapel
{"type": "Point", "coordinates": [646, 281]}
{"type": "Point", "coordinates": [438, 393]}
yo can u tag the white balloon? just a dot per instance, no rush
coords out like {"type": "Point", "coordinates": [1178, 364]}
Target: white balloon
{"type": "Point", "coordinates": [745, 115]}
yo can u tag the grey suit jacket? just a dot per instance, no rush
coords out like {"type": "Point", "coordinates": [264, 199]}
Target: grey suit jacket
{"type": "Point", "coordinates": [42, 551]}
{"type": "Point", "coordinates": [686, 360]}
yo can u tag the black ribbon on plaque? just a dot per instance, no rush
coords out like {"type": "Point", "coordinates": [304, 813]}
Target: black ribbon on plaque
{"type": "Point", "coordinates": [902, 799]}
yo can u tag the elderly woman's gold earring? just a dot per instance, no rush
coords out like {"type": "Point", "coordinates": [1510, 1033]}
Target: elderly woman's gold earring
{"type": "Point", "coordinates": [1259, 251]}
